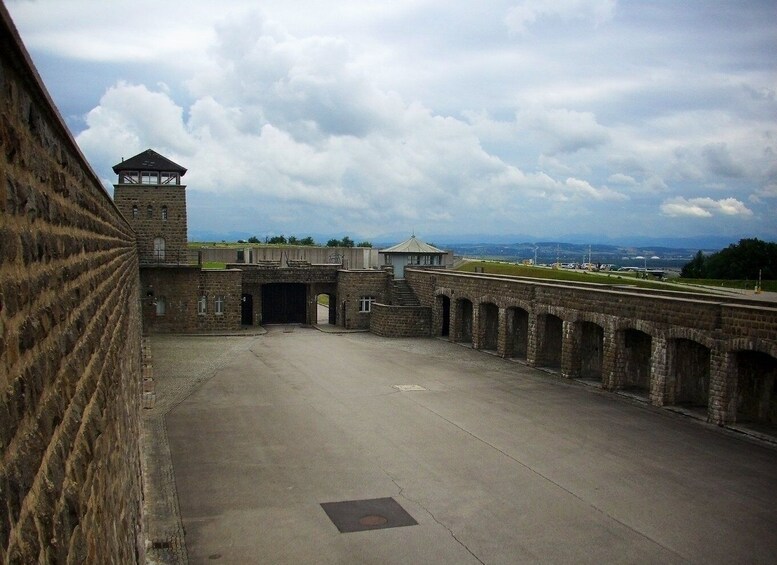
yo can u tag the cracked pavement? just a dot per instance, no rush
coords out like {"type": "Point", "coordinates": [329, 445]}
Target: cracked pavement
{"type": "Point", "coordinates": [496, 461]}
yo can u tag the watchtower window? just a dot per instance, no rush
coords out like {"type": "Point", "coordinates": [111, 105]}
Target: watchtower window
{"type": "Point", "coordinates": [149, 177]}
{"type": "Point", "coordinates": [168, 178]}
{"type": "Point", "coordinates": [129, 177]}
{"type": "Point", "coordinates": [134, 210]}
{"type": "Point", "coordinates": [150, 211]}
{"type": "Point", "coordinates": [164, 213]}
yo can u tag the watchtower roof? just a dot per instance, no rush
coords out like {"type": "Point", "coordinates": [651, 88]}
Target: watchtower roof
{"type": "Point", "coordinates": [413, 245]}
{"type": "Point", "coordinates": [148, 160]}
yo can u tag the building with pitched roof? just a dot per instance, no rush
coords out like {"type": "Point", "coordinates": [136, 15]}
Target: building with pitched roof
{"type": "Point", "coordinates": [412, 252]}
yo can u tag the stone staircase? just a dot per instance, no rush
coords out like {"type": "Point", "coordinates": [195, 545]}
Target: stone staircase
{"type": "Point", "coordinates": [403, 295]}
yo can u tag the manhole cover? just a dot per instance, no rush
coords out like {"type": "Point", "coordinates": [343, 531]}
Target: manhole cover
{"type": "Point", "coordinates": [373, 520]}
{"type": "Point", "coordinates": [371, 514]}
{"type": "Point", "coordinates": [408, 388]}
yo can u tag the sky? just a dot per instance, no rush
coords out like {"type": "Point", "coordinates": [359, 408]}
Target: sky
{"type": "Point", "coordinates": [360, 117]}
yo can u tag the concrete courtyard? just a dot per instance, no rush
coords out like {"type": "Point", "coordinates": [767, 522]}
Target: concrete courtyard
{"type": "Point", "coordinates": [496, 462]}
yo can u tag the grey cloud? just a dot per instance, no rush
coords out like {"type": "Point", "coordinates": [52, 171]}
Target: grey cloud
{"type": "Point", "coordinates": [719, 161]}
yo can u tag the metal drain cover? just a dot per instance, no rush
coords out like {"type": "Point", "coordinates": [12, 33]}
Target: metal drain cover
{"type": "Point", "coordinates": [371, 514]}
{"type": "Point", "coordinates": [408, 388]}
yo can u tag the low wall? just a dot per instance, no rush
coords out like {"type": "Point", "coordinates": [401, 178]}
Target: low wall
{"type": "Point", "coordinates": [70, 376]}
{"type": "Point", "coordinates": [400, 321]}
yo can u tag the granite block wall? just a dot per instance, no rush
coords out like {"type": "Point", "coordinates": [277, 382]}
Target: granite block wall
{"type": "Point", "coordinates": [70, 376]}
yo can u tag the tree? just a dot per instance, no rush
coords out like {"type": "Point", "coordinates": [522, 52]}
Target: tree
{"type": "Point", "coordinates": [307, 241]}
{"type": "Point", "coordinates": [741, 261]}
{"type": "Point", "coordinates": [346, 242]}
{"type": "Point", "coordinates": [278, 239]}
{"type": "Point", "coordinates": [694, 269]}
{"type": "Point", "coordinates": [293, 240]}
{"type": "Point", "coordinates": [333, 243]}
{"type": "Point", "coordinates": [253, 239]}
{"type": "Point", "coordinates": [364, 244]}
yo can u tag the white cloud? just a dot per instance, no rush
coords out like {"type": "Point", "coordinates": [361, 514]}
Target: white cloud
{"type": "Point", "coordinates": [349, 115]}
{"type": "Point", "coordinates": [525, 13]}
{"type": "Point", "coordinates": [704, 207]}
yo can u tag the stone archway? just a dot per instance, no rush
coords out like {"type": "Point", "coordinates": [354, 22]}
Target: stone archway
{"type": "Point", "coordinates": [489, 326]}
{"type": "Point", "coordinates": [517, 333]}
{"type": "Point", "coordinates": [756, 388]}
{"type": "Point", "coordinates": [591, 351]}
{"type": "Point", "coordinates": [551, 341]}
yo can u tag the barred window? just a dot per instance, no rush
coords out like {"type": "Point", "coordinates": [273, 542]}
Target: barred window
{"type": "Point", "coordinates": [202, 305]}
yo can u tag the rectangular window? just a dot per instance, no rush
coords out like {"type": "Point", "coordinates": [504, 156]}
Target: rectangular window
{"type": "Point", "coordinates": [169, 178]}
{"type": "Point", "coordinates": [202, 305]}
{"type": "Point", "coordinates": [365, 303]}
{"type": "Point", "coordinates": [149, 177]}
{"type": "Point", "coordinates": [219, 305]}
{"type": "Point", "coordinates": [129, 177]}
{"type": "Point", "coordinates": [164, 213]}
{"type": "Point", "coordinates": [161, 306]}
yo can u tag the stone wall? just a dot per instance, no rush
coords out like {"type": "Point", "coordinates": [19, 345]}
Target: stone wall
{"type": "Point", "coordinates": [70, 478]}
{"type": "Point", "coordinates": [344, 257]}
{"type": "Point", "coordinates": [639, 340]}
{"type": "Point", "coordinates": [351, 287]}
{"type": "Point", "coordinates": [400, 321]}
{"type": "Point", "coordinates": [180, 288]}
{"type": "Point", "coordinates": [149, 223]}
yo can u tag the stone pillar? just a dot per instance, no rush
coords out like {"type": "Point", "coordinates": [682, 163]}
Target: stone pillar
{"type": "Point", "coordinates": [536, 333]}
{"type": "Point", "coordinates": [612, 358]}
{"type": "Point", "coordinates": [478, 332]}
{"type": "Point", "coordinates": [658, 371]}
{"type": "Point", "coordinates": [570, 349]}
{"type": "Point", "coordinates": [722, 405]}
{"type": "Point", "coordinates": [504, 343]}
{"type": "Point", "coordinates": [454, 324]}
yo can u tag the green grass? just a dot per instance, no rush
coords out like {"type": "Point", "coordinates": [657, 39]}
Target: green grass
{"type": "Point", "coordinates": [323, 299]}
{"type": "Point", "coordinates": [213, 265]}
{"type": "Point", "coordinates": [770, 286]}
{"type": "Point", "coordinates": [616, 278]}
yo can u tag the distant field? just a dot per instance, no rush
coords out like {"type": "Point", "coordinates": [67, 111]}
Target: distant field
{"type": "Point", "coordinates": [625, 278]}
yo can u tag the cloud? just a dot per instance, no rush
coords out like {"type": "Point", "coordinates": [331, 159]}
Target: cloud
{"type": "Point", "coordinates": [349, 115]}
{"type": "Point", "coordinates": [704, 207]}
{"type": "Point", "coordinates": [527, 12]}
{"type": "Point", "coordinates": [719, 161]}
{"type": "Point", "coordinates": [565, 131]}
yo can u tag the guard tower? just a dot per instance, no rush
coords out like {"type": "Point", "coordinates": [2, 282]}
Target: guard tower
{"type": "Point", "coordinates": [151, 197]}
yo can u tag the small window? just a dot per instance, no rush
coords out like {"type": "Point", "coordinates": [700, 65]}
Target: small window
{"type": "Point", "coordinates": [150, 211]}
{"type": "Point", "coordinates": [149, 177]}
{"type": "Point", "coordinates": [365, 303]}
{"type": "Point", "coordinates": [161, 306]}
{"type": "Point", "coordinates": [129, 177]}
{"type": "Point", "coordinates": [219, 305]}
{"type": "Point", "coordinates": [202, 305]}
{"type": "Point", "coordinates": [164, 213]}
{"type": "Point", "coordinates": [134, 210]}
{"type": "Point", "coordinates": [159, 248]}
{"type": "Point", "coordinates": [168, 178]}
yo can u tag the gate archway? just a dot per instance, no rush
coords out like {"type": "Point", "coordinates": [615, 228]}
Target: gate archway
{"type": "Point", "coordinates": [283, 303]}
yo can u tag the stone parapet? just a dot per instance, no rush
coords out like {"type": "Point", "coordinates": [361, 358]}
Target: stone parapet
{"type": "Point", "coordinates": [400, 321]}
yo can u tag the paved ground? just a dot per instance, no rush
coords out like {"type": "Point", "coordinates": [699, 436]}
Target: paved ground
{"type": "Point", "coordinates": [497, 462]}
